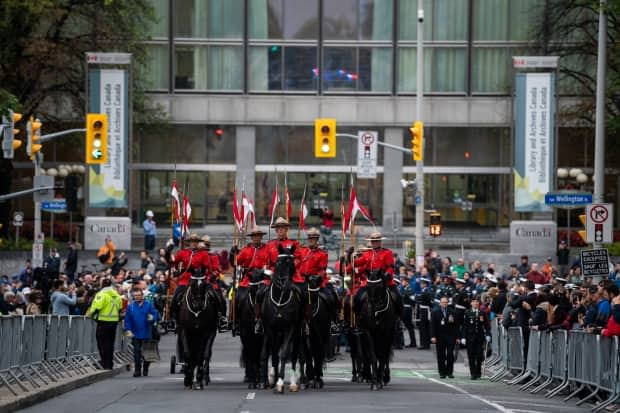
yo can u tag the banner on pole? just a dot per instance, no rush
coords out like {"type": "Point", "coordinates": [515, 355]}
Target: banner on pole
{"type": "Point", "coordinates": [109, 93]}
{"type": "Point", "coordinates": [534, 141]}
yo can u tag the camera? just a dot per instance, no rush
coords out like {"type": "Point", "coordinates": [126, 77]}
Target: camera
{"type": "Point", "coordinates": [421, 16]}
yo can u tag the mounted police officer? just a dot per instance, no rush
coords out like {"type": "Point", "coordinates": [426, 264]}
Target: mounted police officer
{"type": "Point", "coordinates": [379, 258]}
{"type": "Point", "coordinates": [313, 261]}
{"type": "Point", "coordinates": [254, 256]}
{"type": "Point", "coordinates": [186, 263]}
{"type": "Point", "coordinates": [214, 282]}
{"type": "Point", "coordinates": [475, 331]}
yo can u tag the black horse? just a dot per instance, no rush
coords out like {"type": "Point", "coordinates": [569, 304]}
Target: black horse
{"type": "Point", "coordinates": [281, 315]}
{"type": "Point", "coordinates": [378, 319]}
{"type": "Point", "coordinates": [251, 341]}
{"type": "Point", "coordinates": [318, 338]}
{"type": "Point", "coordinates": [197, 322]}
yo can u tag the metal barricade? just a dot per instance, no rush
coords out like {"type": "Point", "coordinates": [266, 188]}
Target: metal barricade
{"type": "Point", "coordinates": [10, 331]}
{"type": "Point", "coordinates": [608, 377]}
{"type": "Point", "coordinates": [532, 363]}
{"type": "Point", "coordinates": [504, 351]}
{"type": "Point", "coordinates": [559, 362]}
{"type": "Point", "coordinates": [515, 345]}
{"type": "Point", "coordinates": [546, 362]}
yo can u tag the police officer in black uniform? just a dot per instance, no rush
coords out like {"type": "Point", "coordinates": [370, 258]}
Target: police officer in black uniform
{"type": "Point", "coordinates": [424, 301]}
{"type": "Point", "coordinates": [475, 332]}
{"type": "Point", "coordinates": [460, 299]}
{"type": "Point", "coordinates": [407, 315]}
{"type": "Point", "coordinates": [445, 332]}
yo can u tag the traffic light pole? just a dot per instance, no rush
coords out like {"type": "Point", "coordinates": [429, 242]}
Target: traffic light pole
{"type": "Point", "coordinates": [599, 127]}
{"type": "Point", "coordinates": [419, 165]}
{"type": "Point", "coordinates": [387, 145]}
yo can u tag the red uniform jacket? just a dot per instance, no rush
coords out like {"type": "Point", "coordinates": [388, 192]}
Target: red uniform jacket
{"type": "Point", "coordinates": [380, 258]}
{"type": "Point", "coordinates": [187, 260]}
{"type": "Point", "coordinates": [216, 269]}
{"type": "Point", "coordinates": [251, 258]}
{"type": "Point", "coordinates": [311, 262]}
{"type": "Point", "coordinates": [272, 247]}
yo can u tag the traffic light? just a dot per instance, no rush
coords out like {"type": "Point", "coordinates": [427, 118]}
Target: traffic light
{"type": "Point", "coordinates": [583, 233]}
{"type": "Point", "coordinates": [435, 226]}
{"type": "Point", "coordinates": [96, 138]}
{"type": "Point", "coordinates": [9, 143]}
{"type": "Point", "coordinates": [33, 128]}
{"type": "Point", "coordinates": [417, 140]}
{"type": "Point", "coordinates": [325, 138]}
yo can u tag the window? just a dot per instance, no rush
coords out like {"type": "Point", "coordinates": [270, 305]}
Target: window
{"type": "Point", "coordinates": [155, 71]}
{"type": "Point", "coordinates": [444, 69]}
{"type": "Point", "coordinates": [283, 19]}
{"type": "Point", "coordinates": [208, 67]}
{"type": "Point", "coordinates": [357, 69]}
{"type": "Point", "coordinates": [160, 28]}
{"type": "Point", "coordinates": [506, 19]}
{"type": "Point", "coordinates": [185, 144]}
{"type": "Point", "coordinates": [357, 19]}
{"type": "Point", "coordinates": [282, 68]}
{"type": "Point", "coordinates": [443, 20]}
{"type": "Point", "coordinates": [215, 19]}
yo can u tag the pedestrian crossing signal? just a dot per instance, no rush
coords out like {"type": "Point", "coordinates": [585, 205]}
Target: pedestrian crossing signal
{"type": "Point", "coordinates": [435, 224]}
{"type": "Point", "coordinates": [583, 234]}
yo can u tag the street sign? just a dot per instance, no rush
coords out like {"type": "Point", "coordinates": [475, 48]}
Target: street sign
{"type": "Point", "coordinates": [595, 263]}
{"type": "Point", "coordinates": [108, 58]}
{"type": "Point", "coordinates": [18, 218]}
{"type": "Point", "coordinates": [537, 62]}
{"type": "Point", "coordinates": [37, 254]}
{"type": "Point", "coordinates": [57, 206]}
{"type": "Point", "coordinates": [599, 223]}
{"type": "Point", "coordinates": [563, 199]}
{"type": "Point", "coordinates": [367, 154]}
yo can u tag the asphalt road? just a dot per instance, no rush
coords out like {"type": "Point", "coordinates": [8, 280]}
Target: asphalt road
{"type": "Point", "coordinates": [415, 387]}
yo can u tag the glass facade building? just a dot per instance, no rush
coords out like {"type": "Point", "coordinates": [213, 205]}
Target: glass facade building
{"type": "Point", "coordinates": [261, 71]}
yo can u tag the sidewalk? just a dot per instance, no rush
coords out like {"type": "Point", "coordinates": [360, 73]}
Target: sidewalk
{"type": "Point", "coordinates": [11, 403]}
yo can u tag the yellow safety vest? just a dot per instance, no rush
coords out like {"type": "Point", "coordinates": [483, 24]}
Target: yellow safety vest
{"type": "Point", "coordinates": [106, 305]}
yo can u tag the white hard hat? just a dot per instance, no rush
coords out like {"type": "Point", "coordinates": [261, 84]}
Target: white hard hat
{"type": "Point", "coordinates": [149, 213]}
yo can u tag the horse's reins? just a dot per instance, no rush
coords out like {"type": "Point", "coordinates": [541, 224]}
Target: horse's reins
{"type": "Point", "coordinates": [189, 307]}
{"type": "Point", "coordinates": [387, 294]}
{"type": "Point", "coordinates": [290, 296]}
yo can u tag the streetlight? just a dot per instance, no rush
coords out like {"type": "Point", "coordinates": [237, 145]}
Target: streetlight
{"type": "Point", "coordinates": [571, 180]}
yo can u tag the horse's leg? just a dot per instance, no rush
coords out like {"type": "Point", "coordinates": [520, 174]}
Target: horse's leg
{"type": "Point", "coordinates": [189, 371]}
{"type": "Point", "coordinates": [275, 358]}
{"type": "Point", "coordinates": [372, 358]}
{"type": "Point", "coordinates": [285, 355]}
{"type": "Point", "coordinates": [207, 356]}
{"type": "Point", "coordinates": [264, 354]}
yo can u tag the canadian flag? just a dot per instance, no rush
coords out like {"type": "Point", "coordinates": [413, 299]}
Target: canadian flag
{"type": "Point", "coordinates": [289, 205]}
{"type": "Point", "coordinates": [248, 210]}
{"type": "Point", "coordinates": [303, 213]}
{"type": "Point", "coordinates": [237, 215]}
{"type": "Point", "coordinates": [354, 208]}
{"type": "Point", "coordinates": [176, 207]}
{"type": "Point", "coordinates": [275, 200]}
{"type": "Point", "coordinates": [187, 213]}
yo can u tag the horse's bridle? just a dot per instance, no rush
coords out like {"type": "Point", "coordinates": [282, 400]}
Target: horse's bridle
{"type": "Point", "coordinates": [277, 282]}
{"type": "Point", "coordinates": [387, 297]}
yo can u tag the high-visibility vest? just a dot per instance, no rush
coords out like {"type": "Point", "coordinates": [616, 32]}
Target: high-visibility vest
{"type": "Point", "coordinates": [106, 305]}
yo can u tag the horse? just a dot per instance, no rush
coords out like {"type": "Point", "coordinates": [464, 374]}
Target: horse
{"type": "Point", "coordinates": [378, 319]}
{"type": "Point", "coordinates": [360, 368]}
{"type": "Point", "coordinates": [197, 322]}
{"type": "Point", "coordinates": [281, 315]}
{"type": "Point", "coordinates": [318, 339]}
{"type": "Point", "coordinates": [250, 341]}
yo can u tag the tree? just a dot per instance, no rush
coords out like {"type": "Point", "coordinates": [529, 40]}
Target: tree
{"type": "Point", "coordinates": [569, 29]}
{"type": "Point", "coordinates": [42, 58]}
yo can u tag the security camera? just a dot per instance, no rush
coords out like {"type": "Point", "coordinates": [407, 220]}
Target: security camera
{"type": "Point", "coordinates": [404, 183]}
{"type": "Point", "coordinates": [421, 16]}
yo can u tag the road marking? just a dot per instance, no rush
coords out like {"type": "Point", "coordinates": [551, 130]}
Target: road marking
{"type": "Point", "coordinates": [244, 411]}
{"type": "Point", "coordinates": [251, 396]}
{"type": "Point", "coordinates": [474, 396]}
{"type": "Point", "coordinates": [527, 411]}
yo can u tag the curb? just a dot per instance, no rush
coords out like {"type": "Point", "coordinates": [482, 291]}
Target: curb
{"type": "Point", "coordinates": [31, 398]}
